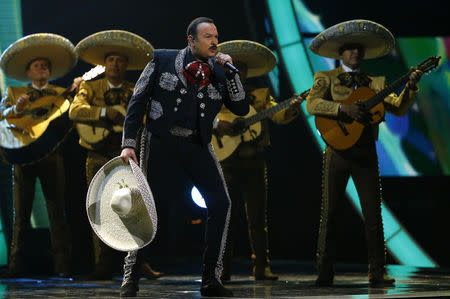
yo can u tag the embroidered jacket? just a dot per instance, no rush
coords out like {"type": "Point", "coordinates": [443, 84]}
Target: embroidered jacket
{"type": "Point", "coordinates": [328, 91]}
{"type": "Point", "coordinates": [164, 89]}
{"type": "Point", "coordinates": [9, 100]}
{"type": "Point", "coordinates": [92, 96]}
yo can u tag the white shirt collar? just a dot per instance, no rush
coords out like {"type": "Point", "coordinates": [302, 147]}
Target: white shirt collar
{"type": "Point", "coordinates": [347, 69]}
{"type": "Point", "coordinates": [39, 88]}
{"type": "Point", "coordinates": [112, 86]}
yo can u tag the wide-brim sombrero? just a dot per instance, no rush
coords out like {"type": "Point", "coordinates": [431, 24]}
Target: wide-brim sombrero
{"type": "Point", "coordinates": [56, 48]}
{"type": "Point", "coordinates": [124, 233]}
{"type": "Point", "coordinates": [376, 39]}
{"type": "Point", "coordinates": [94, 48]}
{"type": "Point", "coordinates": [258, 58]}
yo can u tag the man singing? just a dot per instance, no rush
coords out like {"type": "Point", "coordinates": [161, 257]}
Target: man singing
{"type": "Point", "coordinates": [184, 91]}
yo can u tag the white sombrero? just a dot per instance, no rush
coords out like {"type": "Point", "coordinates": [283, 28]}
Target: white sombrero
{"type": "Point", "coordinates": [376, 39]}
{"type": "Point", "coordinates": [258, 58]}
{"type": "Point", "coordinates": [120, 206]}
{"type": "Point", "coordinates": [95, 47]}
{"type": "Point", "coordinates": [57, 49]}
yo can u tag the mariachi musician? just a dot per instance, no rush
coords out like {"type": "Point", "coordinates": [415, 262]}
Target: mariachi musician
{"type": "Point", "coordinates": [245, 168]}
{"type": "Point", "coordinates": [35, 152]}
{"type": "Point", "coordinates": [99, 108]}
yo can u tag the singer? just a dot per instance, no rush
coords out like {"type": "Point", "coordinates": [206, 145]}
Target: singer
{"type": "Point", "coordinates": [183, 91]}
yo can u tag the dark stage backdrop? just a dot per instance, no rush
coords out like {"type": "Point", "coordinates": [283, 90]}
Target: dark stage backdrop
{"type": "Point", "coordinates": [294, 161]}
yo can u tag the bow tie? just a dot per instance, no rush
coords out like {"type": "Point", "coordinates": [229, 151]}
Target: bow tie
{"type": "Point", "coordinates": [198, 72]}
{"type": "Point", "coordinates": [39, 93]}
{"type": "Point", "coordinates": [116, 96]}
{"type": "Point", "coordinates": [350, 79]}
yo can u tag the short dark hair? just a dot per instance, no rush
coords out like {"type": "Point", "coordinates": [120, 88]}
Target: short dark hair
{"type": "Point", "coordinates": [350, 46]}
{"type": "Point", "coordinates": [116, 54]}
{"type": "Point", "coordinates": [192, 28]}
{"type": "Point", "coordinates": [27, 67]}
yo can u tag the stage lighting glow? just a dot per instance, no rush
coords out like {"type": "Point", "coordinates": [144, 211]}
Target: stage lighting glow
{"type": "Point", "coordinates": [198, 198]}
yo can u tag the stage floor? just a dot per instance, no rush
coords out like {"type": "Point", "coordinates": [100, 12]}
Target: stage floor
{"type": "Point", "coordinates": [182, 280]}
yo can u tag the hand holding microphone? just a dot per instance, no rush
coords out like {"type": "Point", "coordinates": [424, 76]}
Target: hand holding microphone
{"type": "Point", "coordinates": [226, 61]}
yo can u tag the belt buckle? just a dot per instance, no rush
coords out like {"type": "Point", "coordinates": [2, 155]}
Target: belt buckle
{"type": "Point", "coordinates": [181, 132]}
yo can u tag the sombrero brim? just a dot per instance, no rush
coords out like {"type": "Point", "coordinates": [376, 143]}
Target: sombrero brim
{"type": "Point", "coordinates": [94, 48]}
{"type": "Point", "coordinates": [258, 58]}
{"type": "Point", "coordinates": [123, 234]}
{"type": "Point", "coordinates": [375, 38]}
{"type": "Point", "coordinates": [57, 49]}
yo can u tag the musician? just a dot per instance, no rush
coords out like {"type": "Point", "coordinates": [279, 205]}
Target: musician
{"type": "Point", "coordinates": [38, 58]}
{"type": "Point", "coordinates": [186, 89]}
{"type": "Point", "coordinates": [245, 170]}
{"type": "Point", "coordinates": [98, 103]}
{"type": "Point", "coordinates": [351, 42]}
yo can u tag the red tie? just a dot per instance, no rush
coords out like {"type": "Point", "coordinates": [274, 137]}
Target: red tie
{"type": "Point", "coordinates": [198, 72]}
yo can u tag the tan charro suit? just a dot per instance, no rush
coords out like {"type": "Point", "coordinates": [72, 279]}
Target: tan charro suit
{"type": "Point", "coordinates": [360, 162]}
{"type": "Point", "coordinates": [51, 173]}
{"type": "Point", "coordinates": [247, 164]}
{"type": "Point", "coordinates": [87, 106]}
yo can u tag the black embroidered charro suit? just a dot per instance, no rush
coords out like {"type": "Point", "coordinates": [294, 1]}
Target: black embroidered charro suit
{"type": "Point", "coordinates": [180, 122]}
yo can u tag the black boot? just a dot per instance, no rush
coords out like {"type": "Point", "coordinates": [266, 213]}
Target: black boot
{"type": "Point", "coordinates": [130, 282]}
{"type": "Point", "coordinates": [325, 274]}
{"type": "Point", "coordinates": [212, 286]}
{"type": "Point", "coordinates": [378, 277]}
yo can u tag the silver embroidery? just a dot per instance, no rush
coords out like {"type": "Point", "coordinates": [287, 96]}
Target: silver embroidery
{"type": "Point", "coordinates": [202, 114]}
{"type": "Point", "coordinates": [213, 93]}
{"type": "Point", "coordinates": [219, 265]}
{"type": "Point", "coordinates": [175, 109]}
{"type": "Point", "coordinates": [216, 121]}
{"type": "Point", "coordinates": [235, 89]}
{"type": "Point", "coordinates": [156, 110]}
{"type": "Point", "coordinates": [179, 66]}
{"type": "Point", "coordinates": [200, 95]}
{"type": "Point", "coordinates": [168, 81]}
{"type": "Point", "coordinates": [128, 265]}
{"type": "Point", "coordinates": [183, 91]}
{"type": "Point", "coordinates": [143, 81]}
{"type": "Point", "coordinates": [128, 142]}
{"type": "Point", "coordinates": [178, 101]}
{"type": "Point", "coordinates": [202, 105]}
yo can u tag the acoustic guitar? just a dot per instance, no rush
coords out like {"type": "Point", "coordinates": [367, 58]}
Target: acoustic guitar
{"type": "Point", "coordinates": [249, 127]}
{"type": "Point", "coordinates": [343, 135]}
{"type": "Point", "coordinates": [39, 129]}
{"type": "Point", "coordinates": [94, 133]}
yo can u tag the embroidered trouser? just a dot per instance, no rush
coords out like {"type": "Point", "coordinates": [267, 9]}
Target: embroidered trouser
{"type": "Point", "coordinates": [247, 179]}
{"type": "Point", "coordinates": [199, 164]}
{"type": "Point", "coordinates": [50, 171]}
{"type": "Point", "coordinates": [360, 162]}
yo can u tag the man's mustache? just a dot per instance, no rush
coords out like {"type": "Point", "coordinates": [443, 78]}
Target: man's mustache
{"type": "Point", "coordinates": [213, 47]}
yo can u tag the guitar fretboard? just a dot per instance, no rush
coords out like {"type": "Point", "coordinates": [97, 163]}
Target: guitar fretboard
{"type": "Point", "coordinates": [266, 113]}
{"type": "Point", "coordinates": [379, 97]}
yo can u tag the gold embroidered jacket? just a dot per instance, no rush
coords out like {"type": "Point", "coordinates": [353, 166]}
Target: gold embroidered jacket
{"type": "Point", "coordinates": [92, 96]}
{"type": "Point", "coordinates": [9, 100]}
{"type": "Point", "coordinates": [328, 92]}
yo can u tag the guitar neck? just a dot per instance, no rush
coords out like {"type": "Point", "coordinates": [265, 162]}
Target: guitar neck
{"type": "Point", "coordinates": [379, 97]}
{"type": "Point", "coordinates": [266, 113]}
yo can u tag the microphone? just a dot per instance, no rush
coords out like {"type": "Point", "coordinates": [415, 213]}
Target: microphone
{"type": "Point", "coordinates": [231, 67]}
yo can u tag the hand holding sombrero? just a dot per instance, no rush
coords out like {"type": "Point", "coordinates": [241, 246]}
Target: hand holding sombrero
{"type": "Point", "coordinates": [55, 48]}
{"type": "Point", "coordinates": [258, 58]}
{"type": "Point", "coordinates": [120, 206]}
{"type": "Point", "coordinates": [94, 48]}
{"type": "Point", "coordinates": [376, 39]}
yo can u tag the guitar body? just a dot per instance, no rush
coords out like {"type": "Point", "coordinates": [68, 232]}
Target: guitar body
{"type": "Point", "coordinates": [225, 145]}
{"type": "Point", "coordinates": [36, 132]}
{"type": "Point", "coordinates": [343, 138]}
{"type": "Point", "coordinates": [93, 133]}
